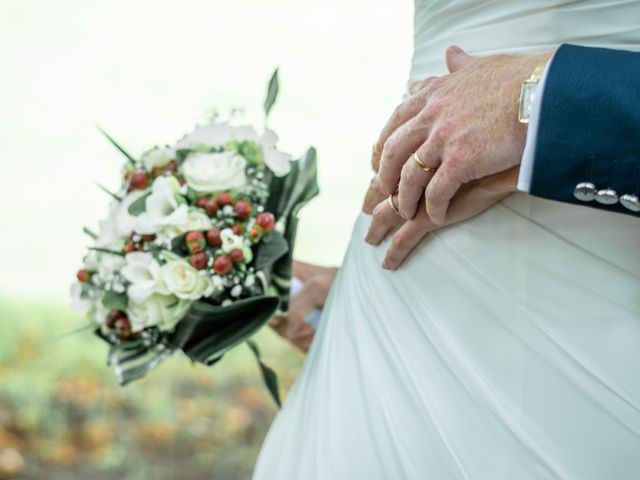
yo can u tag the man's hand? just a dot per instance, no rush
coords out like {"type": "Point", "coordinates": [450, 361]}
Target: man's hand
{"type": "Point", "coordinates": [464, 124]}
{"type": "Point", "coordinates": [317, 283]}
{"type": "Point", "coordinates": [470, 200]}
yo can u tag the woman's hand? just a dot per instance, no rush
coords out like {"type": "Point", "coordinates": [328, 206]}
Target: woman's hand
{"type": "Point", "coordinates": [472, 198]}
{"type": "Point", "coordinates": [317, 283]}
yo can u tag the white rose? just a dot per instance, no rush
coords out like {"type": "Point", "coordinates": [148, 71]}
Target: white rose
{"type": "Point", "coordinates": [182, 280]}
{"type": "Point", "coordinates": [79, 304]}
{"type": "Point", "coordinates": [162, 311]}
{"type": "Point", "coordinates": [196, 220]}
{"type": "Point", "coordinates": [277, 161]}
{"type": "Point", "coordinates": [162, 208]}
{"type": "Point", "coordinates": [143, 271]}
{"type": "Point", "coordinates": [216, 135]}
{"type": "Point", "coordinates": [214, 172]}
{"type": "Point", "coordinates": [119, 224]}
{"type": "Point", "coordinates": [158, 157]}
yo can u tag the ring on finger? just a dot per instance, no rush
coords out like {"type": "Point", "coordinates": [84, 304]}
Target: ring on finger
{"type": "Point", "coordinates": [423, 165]}
{"type": "Point", "coordinates": [392, 204]}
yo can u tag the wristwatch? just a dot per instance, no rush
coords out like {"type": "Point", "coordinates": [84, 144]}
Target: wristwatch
{"type": "Point", "coordinates": [527, 92]}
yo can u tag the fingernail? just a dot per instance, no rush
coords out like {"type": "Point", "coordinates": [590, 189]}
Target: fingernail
{"type": "Point", "coordinates": [456, 50]}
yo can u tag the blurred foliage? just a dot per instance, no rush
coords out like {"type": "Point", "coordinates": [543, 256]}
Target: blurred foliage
{"type": "Point", "coordinates": [64, 416]}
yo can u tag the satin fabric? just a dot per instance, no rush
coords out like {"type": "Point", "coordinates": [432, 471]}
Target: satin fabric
{"type": "Point", "coordinates": [507, 346]}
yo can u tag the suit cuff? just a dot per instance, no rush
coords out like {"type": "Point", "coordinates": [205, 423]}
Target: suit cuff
{"type": "Point", "coordinates": [526, 167]}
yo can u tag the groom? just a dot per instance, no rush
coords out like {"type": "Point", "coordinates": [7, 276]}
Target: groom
{"type": "Point", "coordinates": [460, 143]}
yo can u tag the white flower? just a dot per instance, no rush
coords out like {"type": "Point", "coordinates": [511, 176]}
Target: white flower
{"type": "Point", "coordinates": [162, 208]}
{"type": "Point", "coordinates": [163, 311]}
{"type": "Point", "coordinates": [158, 157]}
{"type": "Point", "coordinates": [277, 161]}
{"type": "Point", "coordinates": [119, 224]}
{"type": "Point", "coordinates": [109, 266]}
{"type": "Point", "coordinates": [216, 135]}
{"type": "Point", "coordinates": [196, 220]}
{"type": "Point", "coordinates": [214, 172]}
{"type": "Point", "coordinates": [230, 241]}
{"type": "Point", "coordinates": [142, 270]}
{"type": "Point", "coordinates": [79, 304]}
{"type": "Point", "coordinates": [100, 313]}
{"type": "Point", "coordinates": [182, 280]}
{"type": "Point", "coordinates": [236, 291]}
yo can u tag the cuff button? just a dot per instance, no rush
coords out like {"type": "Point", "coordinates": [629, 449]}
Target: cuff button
{"type": "Point", "coordinates": [585, 191]}
{"type": "Point", "coordinates": [631, 202]}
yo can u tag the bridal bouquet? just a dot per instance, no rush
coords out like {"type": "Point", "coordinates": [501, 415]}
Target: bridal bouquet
{"type": "Point", "coordinates": [196, 252]}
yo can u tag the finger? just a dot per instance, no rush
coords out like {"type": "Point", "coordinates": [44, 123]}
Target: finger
{"type": "Point", "coordinates": [414, 178]}
{"type": "Point", "coordinates": [418, 85]}
{"type": "Point", "coordinates": [397, 150]}
{"type": "Point", "coordinates": [383, 221]}
{"type": "Point", "coordinates": [406, 239]}
{"type": "Point", "coordinates": [439, 192]}
{"type": "Point", "coordinates": [303, 270]}
{"type": "Point", "coordinates": [373, 196]}
{"type": "Point", "coordinates": [404, 112]}
{"type": "Point", "coordinates": [457, 58]}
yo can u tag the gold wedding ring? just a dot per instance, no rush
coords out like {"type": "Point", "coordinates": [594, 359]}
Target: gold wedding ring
{"type": "Point", "coordinates": [392, 204]}
{"type": "Point", "coordinates": [422, 165]}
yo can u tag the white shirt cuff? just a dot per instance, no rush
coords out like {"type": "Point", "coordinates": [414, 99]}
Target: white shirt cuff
{"type": "Point", "coordinates": [526, 167]}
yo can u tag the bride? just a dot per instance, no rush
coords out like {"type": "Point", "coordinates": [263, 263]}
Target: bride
{"type": "Point", "coordinates": [508, 345]}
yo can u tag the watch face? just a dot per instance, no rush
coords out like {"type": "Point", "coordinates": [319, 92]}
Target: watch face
{"type": "Point", "coordinates": [526, 100]}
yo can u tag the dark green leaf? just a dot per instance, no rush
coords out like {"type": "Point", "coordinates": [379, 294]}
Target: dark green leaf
{"type": "Point", "coordinates": [270, 249]}
{"type": "Point", "coordinates": [90, 233]}
{"type": "Point", "coordinates": [192, 195]}
{"type": "Point", "coordinates": [272, 93]}
{"type": "Point", "coordinates": [139, 206]}
{"type": "Point", "coordinates": [108, 192]}
{"type": "Point", "coordinates": [117, 145]}
{"type": "Point", "coordinates": [268, 375]}
{"type": "Point", "coordinates": [106, 250]}
{"type": "Point", "coordinates": [114, 301]}
{"type": "Point", "coordinates": [208, 331]}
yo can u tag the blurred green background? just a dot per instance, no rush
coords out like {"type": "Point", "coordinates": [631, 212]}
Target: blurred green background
{"type": "Point", "coordinates": [146, 71]}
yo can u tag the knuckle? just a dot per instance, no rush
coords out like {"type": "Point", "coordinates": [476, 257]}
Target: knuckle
{"type": "Point", "coordinates": [399, 243]}
{"type": "Point", "coordinates": [378, 212]}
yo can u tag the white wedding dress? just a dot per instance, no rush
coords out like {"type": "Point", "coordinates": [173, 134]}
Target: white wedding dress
{"type": "Point", "coordinates": [508, 346]}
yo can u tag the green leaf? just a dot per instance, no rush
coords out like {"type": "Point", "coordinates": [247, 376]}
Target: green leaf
{"type": "Point", "coordinates": [110, 193]}
{"type": "Point", "coordinates": [192, 195]}
{"type": "Point", "coordinates": [107, 250]}
{"type": "Point", "coordinates": [87, 231]}
{"type": "Point", "coordinates": [208, 331]}
{"type": "Point", "coordinates": [270, 249]}
{"type": "Point", "coordinates": [272, 93]}
{"type": "Point", "coordinates": [117, 145]}
{"type": "Point", "coordinates": [114, 301]}
{"type": "Point", "coordinates": [139, 206]}
{"type": "Point", "coordinates": [268, 375]}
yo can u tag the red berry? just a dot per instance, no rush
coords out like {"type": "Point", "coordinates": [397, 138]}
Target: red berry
{"type": "Point", "coordinates": [255, 232]}
{"type": "Point", "coordinates": [266, 220]}
{"type": "Point", "coordinates": [182, 181]}
{"type": "Point", "coordinates": [242, 209]}
{"type": "Point", "coordinates": [211, 207]}
{"type": "Point", "coordinates": [131, 247]}
{"type": "Point", "coordinates": [84, 276]}
{"type": "Point", "coordinates": [202, 202]}
{"type": "Point", "coordinates": [213, 237]}
{"type": "Point", "coordinates": [124, 326]}
{"type": "Point", "coordinates": [148, 238]}
{"type": "Point", "coordinates": [127, 175]}
{"type": "Point", "coordinates": [199, 260]}
{"type": "Point", "coordinates": [138, 181]}
{"type": "Point", "coordinates": [224, 199]}
{"type": "Point", "coordinates": [171, 167]}
{"type": "Point", "coordinates": [237, 255]}
{"type": "Point", "coordinates": [113, 316]}
{"type": "Point", "coordinates": [155, 171]}
{"type": "Point", "coordinates": [237, 229]}
{"type": "Point", "coordinates": [195, 241]}
{"type": "Point", "coordinates": [222, 265]}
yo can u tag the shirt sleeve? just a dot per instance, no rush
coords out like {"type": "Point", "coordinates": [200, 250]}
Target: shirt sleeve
{"type": "Point", "coordinates": [526, 167]}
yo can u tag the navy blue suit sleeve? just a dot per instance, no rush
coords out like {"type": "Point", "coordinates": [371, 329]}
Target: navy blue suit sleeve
{"type": "Point", "coordinates": [589, 127]}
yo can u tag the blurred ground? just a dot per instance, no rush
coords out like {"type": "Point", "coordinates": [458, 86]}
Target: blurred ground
{"type": "Point", "coordinates": [63, 415]}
